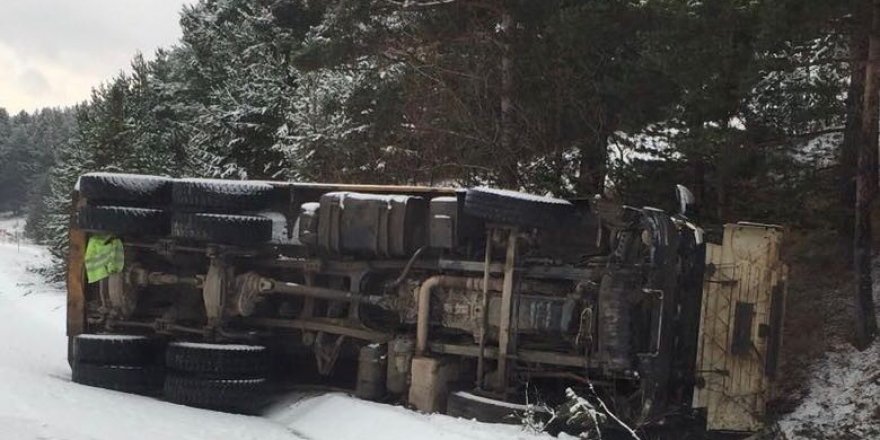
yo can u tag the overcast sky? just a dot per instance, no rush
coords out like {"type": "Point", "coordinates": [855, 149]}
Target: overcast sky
{"type": "Point", "coordinates": [52, 52]}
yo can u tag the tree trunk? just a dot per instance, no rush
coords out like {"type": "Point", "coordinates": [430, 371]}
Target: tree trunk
{"type": "Point", "coordinates": [849, 147]}
{"type": "Point", "coordinates": [866, 188]}
{"type": "Point", "coordinates": [698, 167]}
{"type": "Point", "coordinates": [509, 172]}
{"type": "Point", "coordinates": [594, 161]}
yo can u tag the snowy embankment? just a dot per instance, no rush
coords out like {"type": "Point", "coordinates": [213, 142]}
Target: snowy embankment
{"type": "Point", "coordinates": [38, 400]}
{"type": "Point", "coordinates": [844, 398]}
{"type": "Point", "coordinates": [843, 401]}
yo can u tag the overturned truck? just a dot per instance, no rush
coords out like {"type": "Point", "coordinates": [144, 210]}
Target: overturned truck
{"type": "Point", "coordinates": [471, 302]}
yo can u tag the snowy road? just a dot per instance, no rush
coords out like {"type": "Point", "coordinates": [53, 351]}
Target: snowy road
{"type": "Point", "coordinates": [38, 400]}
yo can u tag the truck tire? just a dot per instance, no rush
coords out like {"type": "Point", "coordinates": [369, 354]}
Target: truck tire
{"type": "Point", "coordinates": [222, 195]}
{"type": "Point", "coordinates": [114, 350]}
{"type": "Point", "coordinates": [225, 361]}
{"type": "Point", "coordinates": [244, 396]}
{"type": "Point", "coordinates": [222, 228]}
{"type": "Point", "coordinates": [516, 208]}
{"type": "Point", "coordinates": [125, 189]}
{"type": "Point", "coordinates": [126, 378]}
{"type": "Point", "coordinates": [123, 220]}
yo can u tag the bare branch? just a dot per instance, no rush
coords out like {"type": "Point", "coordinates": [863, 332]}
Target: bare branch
{"type": "Point", "coordinates": [608, 412]}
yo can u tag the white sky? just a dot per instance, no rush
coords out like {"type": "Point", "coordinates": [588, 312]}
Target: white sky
{"type": "Point", "coordinates": [52, 52]}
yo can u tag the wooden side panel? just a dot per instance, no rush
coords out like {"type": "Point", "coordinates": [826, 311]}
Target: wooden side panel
{"type": "Point", "coordinates": [742, 273]}
{"type": "Point", "coordinates": [76, 285]}
{"type": "Point", "coordinates": [707, 348]}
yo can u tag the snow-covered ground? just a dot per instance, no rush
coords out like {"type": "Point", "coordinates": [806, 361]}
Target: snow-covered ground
{"type": "Point", "coordinates": [38, 400]}
{"type": "Point", "coordinates": [843, 401]}
{"type": "Point", "coordinates": [844, 398]}
{"type": "Point", "coordinates": [11, 228]}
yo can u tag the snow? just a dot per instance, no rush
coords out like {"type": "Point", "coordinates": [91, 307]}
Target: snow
{"type": "Point", "coordinates": [844, 392]}
{"type": "Point", "coordinates": [229, 183]}
{"type": "Point", "coordinates": [844, 399]}
{"type": "Point", "coordinates": [230, 216]}
{"type": "Point", "coordinates": [353, 419]}
{"type": "Point", "coordinates": [445, 199]}
{"type": "Point", "coordinates": [310, 207]}
{"type": "Point", "coordinates": [112, 337]}
{"type": "Point", "coordinates": [11, 228]}
{"type": "Point", "coordinates": [232, 347]}
{"type": "Point", "coordinates": [522, 196]}
{"type": "Point", "coordinates": [39, 401]}
{"type": "Point", "coordinates": [385, 198]}
{"type": "Point", "coordinates": [279, 228]}
{"type": "Point", "coordinates": [127, 176]}
{"type": "Point", "coordinates": [140, 178]}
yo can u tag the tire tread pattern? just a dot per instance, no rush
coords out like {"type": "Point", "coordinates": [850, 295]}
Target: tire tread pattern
{"type": "Point", "coordinates": [123, 220]}
{"type": "Point", "coordinates": [217, 363]}
{"type": "Point", "coordinates": [125, 378]}
{"type": "Point", "coordinates": [221, 228]}
{"type": "Point", "coordinates": [125, 188]}
{"type": "Point", "coordinates": [234, 395]}
{"type": "Point", "coordinates": [516, 208]}
{"type": "Point", "coordinates": [94, 349]}
{"type": "Point", "coordinates": [223, 195]}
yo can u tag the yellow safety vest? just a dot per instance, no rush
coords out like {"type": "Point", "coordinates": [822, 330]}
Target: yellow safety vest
{"type": "Point", "coordinates": [104, 256]}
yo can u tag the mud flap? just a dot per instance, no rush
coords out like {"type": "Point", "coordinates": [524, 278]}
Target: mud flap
{"type": "Point", "coordinates": [76, 273]}
{"type": "Point", "coordinates": [740, 326]}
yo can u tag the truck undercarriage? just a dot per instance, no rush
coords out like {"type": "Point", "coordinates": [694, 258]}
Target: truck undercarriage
{"type": "Point", "coordinates": [423, 296]}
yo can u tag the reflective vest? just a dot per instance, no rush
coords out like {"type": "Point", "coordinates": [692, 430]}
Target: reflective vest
{"type": "Point", "coordinates": [104, 256]}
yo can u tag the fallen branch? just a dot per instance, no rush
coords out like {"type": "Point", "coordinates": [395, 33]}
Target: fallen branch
{"type": "Point", "coordinates": [579, 408]}
{"type": "Point", "coordinates": [608, 412]}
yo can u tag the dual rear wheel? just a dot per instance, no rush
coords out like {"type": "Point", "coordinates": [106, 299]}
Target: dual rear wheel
{"type": "Point", "coordinates": [202, 210]}
{"type": "Point", "coordinates": [223, 377]}
{"type": "Point", "coordinates": [118, 362]}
